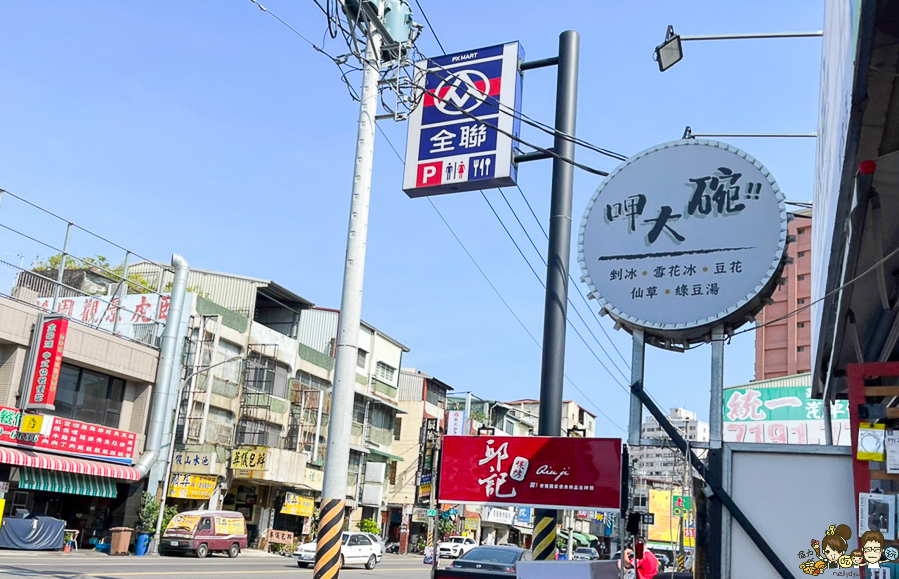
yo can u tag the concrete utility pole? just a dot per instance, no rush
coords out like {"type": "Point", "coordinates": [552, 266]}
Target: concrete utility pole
{"type": "Point", "coordinates": [337, 458]}
{"type": "Point", "coordinates": [559, 253]}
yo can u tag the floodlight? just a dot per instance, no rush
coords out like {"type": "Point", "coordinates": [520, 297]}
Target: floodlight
{"type": "Point", "coordinates": [669, 52]}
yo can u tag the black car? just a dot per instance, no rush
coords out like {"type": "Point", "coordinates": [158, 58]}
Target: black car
{"type": "Point", "coordinates": [493, 558]}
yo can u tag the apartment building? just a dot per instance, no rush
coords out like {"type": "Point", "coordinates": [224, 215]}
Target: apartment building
{"type": "Point", "coordinates": [257, 427]}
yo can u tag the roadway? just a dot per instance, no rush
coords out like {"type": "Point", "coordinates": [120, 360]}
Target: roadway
{"type": "Point", "coordinates": [89, 565]}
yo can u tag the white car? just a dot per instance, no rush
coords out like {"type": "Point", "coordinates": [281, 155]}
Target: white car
{"type": "Point", "coordinates": [455, 547]}
{"type": "Point", "coordinates": [356, 549]}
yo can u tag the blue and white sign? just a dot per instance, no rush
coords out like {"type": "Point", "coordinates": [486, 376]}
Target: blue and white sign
{"type": "Point", "coordinates": [523, 515]}
{"type": "Point", "coordinates": [462, 133]}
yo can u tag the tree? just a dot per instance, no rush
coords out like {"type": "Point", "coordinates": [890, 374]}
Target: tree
{"type": "Point", "coordinates": [369, 526]}
{"type": "Point", "coordinates": [138, 284]}
{"type": "Point", "coordinates": [446, 528]}
{"type": "Point", "coordinates": [149, 514]}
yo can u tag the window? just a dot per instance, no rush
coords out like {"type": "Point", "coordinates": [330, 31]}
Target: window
{"type": "Point", "coordinates": [801, 254]}
{"type": "Point", "coordinates": [800, 325]}
{"type": "Point", "coordinates": [89, 396]}
{"type": "Point", "coordinates": [391, 472]}
{"type": "Point", "coordinates": [205, 525]}
{"type": "Point", "coordinates": [435, 395]}
{"type": "Point", "coordinates": [800, 301]}
{"type": "Point", "coordinates": [381, 418]}
{"type": "Point", "coordinates": [800, 277]}
{"type": "Point", "coordinates": [258, 433]}
{"type": "Point", "coordinates": [359, 541]}
{"type": "Point", "coordinates": [800, 349]}
{"type": "Point", "coordinates": [231, 370]}
{"type": "Point", "coordinates": [359, 411]}
{"type": "Point", "coordinates": [803, 231]}
{"type": "Point", "coordinates": [361, 355]}
{"type": "Point", "coordinates": [397, 428]}
{"type": "Point", "coordinates": [385, 372]}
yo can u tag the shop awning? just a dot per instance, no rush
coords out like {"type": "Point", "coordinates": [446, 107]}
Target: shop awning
{"type": "Point", "coordinates": [386, 454]}
{"type": "Point", "coordinates": [33, 459]}
{"type": "Point", "coordinates": [523, 530]}
{"type": "Point", "coordinates": [54, 481]}
{"type": "Point", "coordinates": [591, 537]}
{"type": "Point", "coordinates": [578, 537]}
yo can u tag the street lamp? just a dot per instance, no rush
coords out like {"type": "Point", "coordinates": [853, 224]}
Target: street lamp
{"type": "Point", "coordinates": [168, 465]}
{"type": "Point", "coordinates": [670, 52]}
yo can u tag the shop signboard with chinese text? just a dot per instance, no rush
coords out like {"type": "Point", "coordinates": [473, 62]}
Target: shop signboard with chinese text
{"type": "Point", "coordinates": [51, 340]}
{"type": "Point", "coordinates": [523, 515]}
{"type": "Point", "coordinates": [280, 537]}
{"type": "Point", "coordinates": [419, 515]}
{"type": "Point", "coordinates": [70, 437]}
{"type": "Point", "coordinates": [462, 134]}
{"type": "Point", "coordinates": [535, 471]}
{"type": "Point", "coordinates": [781, 415]}
{"type": "Point", "coordinates": [191, 486]}
{"type": "Point", "coordinates": [682, 237]}
{"type": "Point", "coordinates": [496, 515]}
{"type": "Point", "coordinates": [194, 462]}
{"type": "Point", "coordinates": [139, 316]}
{"type": "Point", "coordinates": [455, 422]}
{"type": "Point", "coordinates": [249, 458]}
{"type": "Point", "coordinates": [297, 505]}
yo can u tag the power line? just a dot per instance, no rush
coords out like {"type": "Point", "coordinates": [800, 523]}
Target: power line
{"type": "Point", "coordinates": [495, 290]}
{"type": "Point", "coordinates": [573, 307]}
{"type": "Point", "coordinates": [551, 153]}
{"type": "Point", "coordinates": [797, 311]}
{"type": "Point", "coordinates": [428, 22]}
{"type": "Point", "coordinates": [573, 283]}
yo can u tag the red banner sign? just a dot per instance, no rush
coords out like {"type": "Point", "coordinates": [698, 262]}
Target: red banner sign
{"type": "Point", "coordinates": [71, 437]}
{"type": "Point", "coordinates": [47, 363]}
{"type": "Point", "coordinates": [535, 471]}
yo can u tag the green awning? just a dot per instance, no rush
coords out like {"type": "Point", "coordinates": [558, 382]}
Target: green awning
{"type": "Point", "coordinates": [579, 538]}
{"type": "Point", "coordinates": [385, 454]}
{"type": "Point", "coordinates": [35, 479]}
{"type": "Point", "coordinates": [592, 537]}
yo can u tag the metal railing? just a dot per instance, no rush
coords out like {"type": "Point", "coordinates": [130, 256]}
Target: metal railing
{"type": "Point", "coordinates": [88, 289]}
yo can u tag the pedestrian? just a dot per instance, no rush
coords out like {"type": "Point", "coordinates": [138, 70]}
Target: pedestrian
{"type": "Point", "coordinates": [646, 567]}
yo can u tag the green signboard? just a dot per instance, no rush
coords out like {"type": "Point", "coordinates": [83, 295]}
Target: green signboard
{"type": "Point", "coordinates": [787, 403]}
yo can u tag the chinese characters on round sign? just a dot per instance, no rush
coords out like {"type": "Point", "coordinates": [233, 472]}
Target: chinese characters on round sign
{"type": "Point", "coordinates": [684, 236]}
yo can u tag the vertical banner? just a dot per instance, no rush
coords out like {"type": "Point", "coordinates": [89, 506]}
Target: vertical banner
{"type": "Point", "coordinates": [48, 347]}
{"type": "Point", "coordinates": [455, 423]}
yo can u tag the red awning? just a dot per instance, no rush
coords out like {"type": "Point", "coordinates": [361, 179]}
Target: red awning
{"type": "Point", "coordinates": [35, 459]}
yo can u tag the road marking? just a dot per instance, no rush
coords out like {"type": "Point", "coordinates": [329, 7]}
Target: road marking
{"type": "Point", "coordinates": [113, 575]}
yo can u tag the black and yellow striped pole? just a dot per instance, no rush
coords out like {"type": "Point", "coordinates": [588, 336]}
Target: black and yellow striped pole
{"type": "Point", "coordinates": [327, 549]}
{"type": "Point", "coordinates": [544, 545]}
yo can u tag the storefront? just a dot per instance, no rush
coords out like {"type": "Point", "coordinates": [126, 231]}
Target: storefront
{"type": "Point", "coordinates": [496, 525]}
{"type": "Point", "coordinates": [295, 511]}
{"type": "Point", "coordinates": [89, 496]}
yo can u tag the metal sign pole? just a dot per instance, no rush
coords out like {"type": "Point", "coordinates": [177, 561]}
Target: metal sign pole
{"type": "Point", "coordinates": [559, 253]}
{"type": "Point", "coordinates": [636, 413]}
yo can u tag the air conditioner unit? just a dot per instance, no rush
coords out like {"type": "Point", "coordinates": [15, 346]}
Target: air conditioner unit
{"type": "Point", "coordinates": [375, 472]}
{"type": "Point", "coordinates": [372, 495]}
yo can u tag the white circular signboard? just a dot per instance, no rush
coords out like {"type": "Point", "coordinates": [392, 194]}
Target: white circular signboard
{"type": "Point", "coordinates": [682, 237]}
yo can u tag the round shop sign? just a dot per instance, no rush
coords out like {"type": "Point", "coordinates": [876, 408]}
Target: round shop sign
{"type": "Point", "coordinates": [682, 237]}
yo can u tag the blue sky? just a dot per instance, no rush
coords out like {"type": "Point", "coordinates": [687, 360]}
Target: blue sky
{"type": "Point", "coordinates": [211, 130]}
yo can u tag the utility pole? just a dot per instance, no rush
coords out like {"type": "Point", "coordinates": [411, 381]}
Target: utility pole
{"type": "Point", "coordinates": [559, 253]}
{"type": "Point", "coordinates": [332, 511]}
